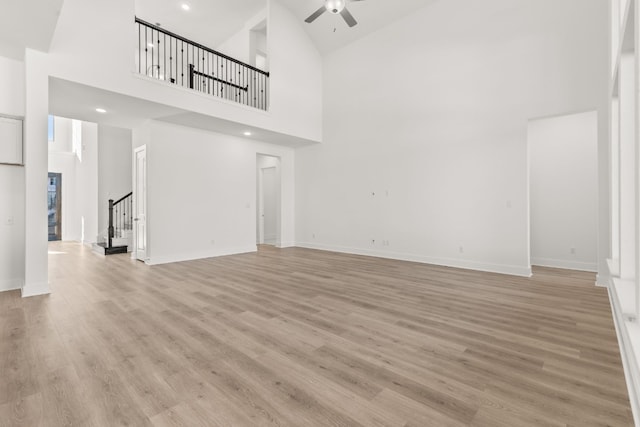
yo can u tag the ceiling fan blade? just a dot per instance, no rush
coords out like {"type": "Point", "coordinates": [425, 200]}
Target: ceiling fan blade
{"type": "Point", "coordinates": [348, 17]}
{"type": "Point", "coordinates": [315, 15]}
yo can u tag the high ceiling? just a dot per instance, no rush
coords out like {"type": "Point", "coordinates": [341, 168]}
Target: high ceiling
{"type": "Point", "coordinates": [31, 23]}
{"type": "Point", "coordinates": [27, 24]}
{"type": "Point", "coordinates": [209, 22]}
{"type": "Point", "coordinates": [370, 14]}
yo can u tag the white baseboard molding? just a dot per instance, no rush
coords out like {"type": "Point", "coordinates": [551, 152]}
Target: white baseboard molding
{"type": "Point", "coordinates": [512, 270]}
{"type": "Point", "coordinates": [35, 289]}
{"type": "Point", "coordinates": [603, 281]}
{"type": "Point", "coordinates": [286, 244]}
{"type": "Point", "coordinates": [566, 264]}
{"type": "Point", "coordinates": [166, 259]}
{"type": "Point", "coordinates": [625, 330]}
{"type": "Point", "coordinates": [11, 284]}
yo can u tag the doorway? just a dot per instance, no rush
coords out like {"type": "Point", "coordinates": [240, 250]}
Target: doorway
{"type": "Point", "coordinates": [140, 203]}
{"type": "Point", "coordinates": [563, 191]}
{"type": "Point", "coordinates": [54, 206]}
{"type": "Point", "coordinates": [268, 203]}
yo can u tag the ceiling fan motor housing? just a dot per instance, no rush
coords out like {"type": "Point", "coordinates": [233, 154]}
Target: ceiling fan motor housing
{"type": "Point", "coordinates": [335, 6]}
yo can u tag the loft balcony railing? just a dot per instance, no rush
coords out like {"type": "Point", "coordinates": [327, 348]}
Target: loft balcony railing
{"type": "Point", "coordinates": [167, 56]}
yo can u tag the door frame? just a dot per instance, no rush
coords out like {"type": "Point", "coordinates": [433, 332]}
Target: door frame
{"type": "Point", "coordinates": [136, 195]}
{"type": "Point", "coordinates": [260, 199]}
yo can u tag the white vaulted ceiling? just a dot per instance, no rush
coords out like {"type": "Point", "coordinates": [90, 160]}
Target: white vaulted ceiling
{"type": "Point", "coordinates": [211, 22]}
{"type": "Point", "coordinates": [208, 22]}
{"type": "Point", "coordinates": [370, 14]}
{"type": "Point", "coordinates": [27, 24]}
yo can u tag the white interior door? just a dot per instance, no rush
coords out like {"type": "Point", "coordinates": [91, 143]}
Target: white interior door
{"type": "Point", "coordinates": [140, 195]}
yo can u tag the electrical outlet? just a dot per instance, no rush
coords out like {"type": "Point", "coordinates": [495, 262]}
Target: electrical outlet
{"type": "Point", "coordinates": [573, 251]}
{"type": "Point", "coordinates": [461, 249]}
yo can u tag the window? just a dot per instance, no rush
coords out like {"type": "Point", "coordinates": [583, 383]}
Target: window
{"type": "Point", "coordinates": [51, 128]}
{"type": "Point", "coordinates": [76, 138]}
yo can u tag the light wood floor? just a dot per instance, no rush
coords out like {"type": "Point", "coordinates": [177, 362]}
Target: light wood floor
{"type": "Point", "coordinates": [298, 337]}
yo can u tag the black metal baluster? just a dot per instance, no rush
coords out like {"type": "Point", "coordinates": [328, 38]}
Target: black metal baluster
{"type": "Point", "coordinates": [146, 51]}
{"type": "Point", "coordinates": [153, 54]}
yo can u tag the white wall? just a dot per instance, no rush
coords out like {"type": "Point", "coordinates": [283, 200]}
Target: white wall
{"type": "Point", "coordinates": [563, 191]}
{"type": "Point", "coordinates": [114, 169]}
{"type": "Point", "coordinates": [79, 179]}
{"type": "Point", "coordinates": [439, 133]}
{"type": "Point", "coordinates": [12, 87]}
{"type": "Point", "coordinates": [61, 137]}
{"type": "Point", "coordinates": [201, 192]}
{"type": "Point", "coordinates": [62, 160]}
{"type": "Point", "coordinates": [296, 82]}
{"type": "Point", "coordinates": [12, 228]}
{"type": "Point", "coordinates": [238, 45]}
{"type": "Point", "coordinates": [87, 184]}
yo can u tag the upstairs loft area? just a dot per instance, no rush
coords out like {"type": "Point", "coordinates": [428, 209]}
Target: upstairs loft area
{"type": "Point", "coordinates": [167, 56]}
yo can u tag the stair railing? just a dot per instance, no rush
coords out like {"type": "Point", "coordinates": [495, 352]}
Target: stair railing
{"type": "Point", "coordinates": [120, 217]}
{"type": "Point", "coordinates": [164, 55]}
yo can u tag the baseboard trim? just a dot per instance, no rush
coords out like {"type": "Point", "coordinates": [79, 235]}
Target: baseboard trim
{"type": "Point", "coordinates": [627, 355]}
{"type": "Point", "coordinates": [603, 281]}
{"type": "Point", "coordinates": [11, 284]}
{"type": "Point", "coordinates": [286, 245]}
{"type": "Point", "coordinates": [35, 289]}
{"type": "Point", "coordinates": [568, 265]}
{"type": "Point", "coordinates": [511, 270]}
{"type": "Point", "coordinates": [167, 259]}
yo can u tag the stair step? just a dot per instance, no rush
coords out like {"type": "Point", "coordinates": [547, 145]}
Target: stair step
{"type": "Point", "coordinates": [102, 249]}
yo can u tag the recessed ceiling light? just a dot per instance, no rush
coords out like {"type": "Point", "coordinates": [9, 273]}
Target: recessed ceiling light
{"type": "Point", "coordinates": [101, 110]}
{"type": "Point", "coordinates": [247, 133]}
{"type": "Point", "coordinates": [150, 45]}
{"type": "Point", "coordinates": [185, 6]}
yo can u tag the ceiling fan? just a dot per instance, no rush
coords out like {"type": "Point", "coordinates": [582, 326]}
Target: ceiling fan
{"type": "Point", "coordinates": [337, 7]}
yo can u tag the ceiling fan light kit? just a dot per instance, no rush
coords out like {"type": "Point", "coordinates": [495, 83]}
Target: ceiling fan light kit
{"type": "Point", "coordinates": [336, 7]}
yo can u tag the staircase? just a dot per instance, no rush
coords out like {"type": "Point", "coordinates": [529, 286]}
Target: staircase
{"type": "Point", "coordinates": [118, 237]}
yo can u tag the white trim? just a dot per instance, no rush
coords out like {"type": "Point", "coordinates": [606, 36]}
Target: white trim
{"type": "Point", "coordinates": [603, 281]}
{"type": "Point", "coordinates": [626, 353]}
{"type": "Point", "coordinates": [283, 245]}
{"type": "Point", "coordinates": [35, 289]}
{"type": "Point", "coordinates": [157, 260]}
{"type": "Point", "coordinates": [10, 284]}
{"type": "Point", "coordinates": [569, 265]}
{"type": "Point", "coordinates": [512, 270]}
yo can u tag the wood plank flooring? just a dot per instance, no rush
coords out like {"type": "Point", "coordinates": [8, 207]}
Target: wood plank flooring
{"type": "Point", "coordinates": [297, 337]}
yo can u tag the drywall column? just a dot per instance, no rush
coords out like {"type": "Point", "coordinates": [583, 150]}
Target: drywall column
{"type": "Point", "coordinates": [627, 166]}
{"type": "Point", "coordinates": [36, 164]}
